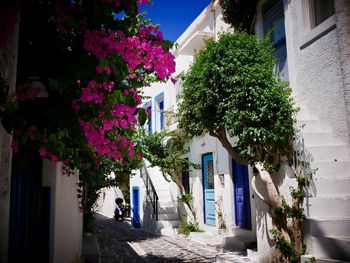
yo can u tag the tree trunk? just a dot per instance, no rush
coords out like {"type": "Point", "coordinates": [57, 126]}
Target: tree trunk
{"type": "Point", "coordinates": [177, 179]}
{"type": "Point", "coordinates": [222, 137]}
{"type": "Point", "coordinates": [271, 198]}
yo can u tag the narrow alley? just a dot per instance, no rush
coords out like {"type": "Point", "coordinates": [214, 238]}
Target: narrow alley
{"type": "Point", "coordinates": [119, 242]}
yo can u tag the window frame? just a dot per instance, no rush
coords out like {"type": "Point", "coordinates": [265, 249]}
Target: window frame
{"type": "Point", "coordinates": [158, 99]}
{"type": "Point", "coordinates": [313, 33]}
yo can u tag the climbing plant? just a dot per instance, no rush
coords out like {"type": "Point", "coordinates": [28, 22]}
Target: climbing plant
{"type": "Point", "coordinates": [232, 90]}
{"type": "Point", "coordinates": [167, 151]}
{"type": "Point", "coordinates": [241, 14]}
{"type": "Point", "coordinates": [81, 108]}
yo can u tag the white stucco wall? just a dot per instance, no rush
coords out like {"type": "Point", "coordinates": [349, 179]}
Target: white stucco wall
{"type": "Point", "coordinates": [137, 181]}
{"type": "Point", "coordinates": [316, 69]}
{"type": "Point", "coordinates": [316, 77]}
{"type": "Point", "coordinates": [8, 69]}
{"type": "Point", "coordinates": [66, 219]}
{"type": "Point", "coordinates": [106, 201]}
{"type": "Point", "coordinates": [209, 23]}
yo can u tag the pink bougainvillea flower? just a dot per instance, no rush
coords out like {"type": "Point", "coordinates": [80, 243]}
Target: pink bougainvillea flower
{"type": "Point", "coordinates": [33, 129]}
{"type": "Point", "coordinates": [14, 146]}
{"type": "Point", "coordinates": [131, 153]}
{"type": "Point", "coordinates": [42, 151]}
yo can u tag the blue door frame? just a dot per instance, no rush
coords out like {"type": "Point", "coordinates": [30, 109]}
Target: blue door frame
{"type": "Point", "coordinates": [136, 223]}
{"type": "Point", "coordinates": [242, 196]}
{"type": "Point", "coordinates": [208, 188]}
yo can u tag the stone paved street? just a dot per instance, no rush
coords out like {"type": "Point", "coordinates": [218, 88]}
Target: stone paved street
{"type": "Point", "coordinates": [120, 243]}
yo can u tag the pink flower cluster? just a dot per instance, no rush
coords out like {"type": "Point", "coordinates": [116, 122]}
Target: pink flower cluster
{"type": "Point", "coordinates": [48, 155]}
{"type": "Point", "coordinates": [113, 148]}
{"type": "Point", "coordinates": [27, 92]}
{"type": "Point", "coordinates": [143, 51]}
{"type": "Point", "coordinates": [95, 92]}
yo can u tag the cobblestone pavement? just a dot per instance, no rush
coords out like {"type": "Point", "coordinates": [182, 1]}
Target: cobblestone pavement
{"type": "Point", "coordinates": [121, 243]}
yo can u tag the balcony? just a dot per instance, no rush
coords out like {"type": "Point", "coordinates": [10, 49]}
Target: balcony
{"type": "Point", "coordinates": [170, 118]}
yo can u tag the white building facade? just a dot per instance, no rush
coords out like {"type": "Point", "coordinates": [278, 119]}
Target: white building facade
{"type": "Point", "coordinates": [312, 47]}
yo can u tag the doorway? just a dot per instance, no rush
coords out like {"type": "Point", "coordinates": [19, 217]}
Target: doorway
{"type": "Point", "coordinates": [136, 223]}
{"type": "Point", "coordinates": [241, 195]}
{"type": "Point", "coordinates": [208, 188]}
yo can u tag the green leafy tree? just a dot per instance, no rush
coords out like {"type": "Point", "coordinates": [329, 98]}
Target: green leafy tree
{"type": "Point", "coordinates": [167, 151]}
{"type": "Point", "coordinates": [241, 14]}
{"type": "Point", "coordinates": [233, 93]}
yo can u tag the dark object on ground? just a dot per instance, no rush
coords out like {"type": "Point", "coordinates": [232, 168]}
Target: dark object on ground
{"type": "Point", "coordinates": [119, 212]}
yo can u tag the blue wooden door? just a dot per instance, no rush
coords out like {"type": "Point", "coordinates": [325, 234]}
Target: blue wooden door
{"type": "Point", "coordinates": [136, 207]}
{"type": "Point", "coordinates": [208, 188]}
{"type": "Point", "coordinates": [241, 192]}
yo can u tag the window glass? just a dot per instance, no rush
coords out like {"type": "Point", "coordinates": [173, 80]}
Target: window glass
{"type": "Point", "coordinates": [322, 9]}
{"type": "Point", "coordinates": [273, 20]}
{"type": "Point", "coordinates": [161, 114]}
{"type": "Point", "coordinates": [149, 125]}
{"type": "Point", "coordinates": [210, 174]}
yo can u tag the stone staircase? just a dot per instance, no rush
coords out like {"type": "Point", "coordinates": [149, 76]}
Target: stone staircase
{"type": "Point", "coordinates": [328, 203]}
{"type": "Point", "coordinates": [168, 215]}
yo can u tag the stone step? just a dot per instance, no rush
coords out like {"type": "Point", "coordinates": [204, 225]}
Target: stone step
{"type": "Point", "coordinates": [224, 242]}
{"type": "Point", "coordinates": [307, 258]}
{"type": "Point", "coordinates": [303, 113]}
{"type": "Point", "coordinates": [323, 227]}
{"type": "Point", "coordinates": [332, 168]}
{"type": "Point", "coordinates": [309, 125]}
{"type": "Point", "coordinates": [169, 205]}
{"type": "Point", "coordinates": [329, 207]}
{"type": "Point", "coordinates": [164, 195]}
{"type": "Point", "coordinates": [168, 217]}
{"type": "Point", "coordinates": [338, 152]}
{"type": "Point", "coordinates": [168, 228]}
{"type": "Point", "coordinates": [317, 138]}
{"type": "Point", "coordinates": [169, 223]}
{"type": "Point", "coordinates": [331, 247]}
{"type": "Point", "coordinates": [233, 257]}
{"type": "Point", "coordinates": [330, 186]}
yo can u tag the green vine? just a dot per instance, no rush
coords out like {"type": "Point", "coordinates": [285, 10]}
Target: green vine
{"type": "Point", "coordinates": [240, 14]}
{"type": "Point", "coordinates": [291, 250]}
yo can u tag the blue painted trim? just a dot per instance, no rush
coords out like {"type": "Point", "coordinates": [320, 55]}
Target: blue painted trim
{"type": "Point", "coordinates": [157, 100]}
{"type": "Point", "coordinates": [159, 95]}
{"type": "Point", "coordinates": [246, 221]}
{"type": "Point", "coordinates": [136, 222]}
{"type": "Point", "coordinates": [146, 105]}
{"type": "Point", "coordinates": [204, 181]}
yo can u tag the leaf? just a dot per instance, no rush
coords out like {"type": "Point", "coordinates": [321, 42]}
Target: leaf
{"type": "Point", "coordinates": [143, 116]}
{"type": "Point", "coordinates": [103, 63]}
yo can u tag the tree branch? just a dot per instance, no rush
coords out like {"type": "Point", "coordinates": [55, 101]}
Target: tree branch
{"type": "Point", "coordinates": [222, 137]}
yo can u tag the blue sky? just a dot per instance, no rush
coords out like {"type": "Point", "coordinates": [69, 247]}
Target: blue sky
{"type": "Point", "coordinates": [174, 16]}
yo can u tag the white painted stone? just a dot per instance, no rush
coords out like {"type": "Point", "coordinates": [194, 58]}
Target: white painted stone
{"type": "Point", "coordinates": [331, 169]}
{"type": "Point", "coordinates": [329, 207]}
{"type": "Point", "coordinates": [65, 214]}
{"type": "Point", "coordinates": [329, 152]}
{"type": "Point", "coordinates": [323, 227]}
{"type": "Point", "coordinates": [329, 247]}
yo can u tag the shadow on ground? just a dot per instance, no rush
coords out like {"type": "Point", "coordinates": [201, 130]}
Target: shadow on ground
{"type": "Point", "coordinates": [115, 239]}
